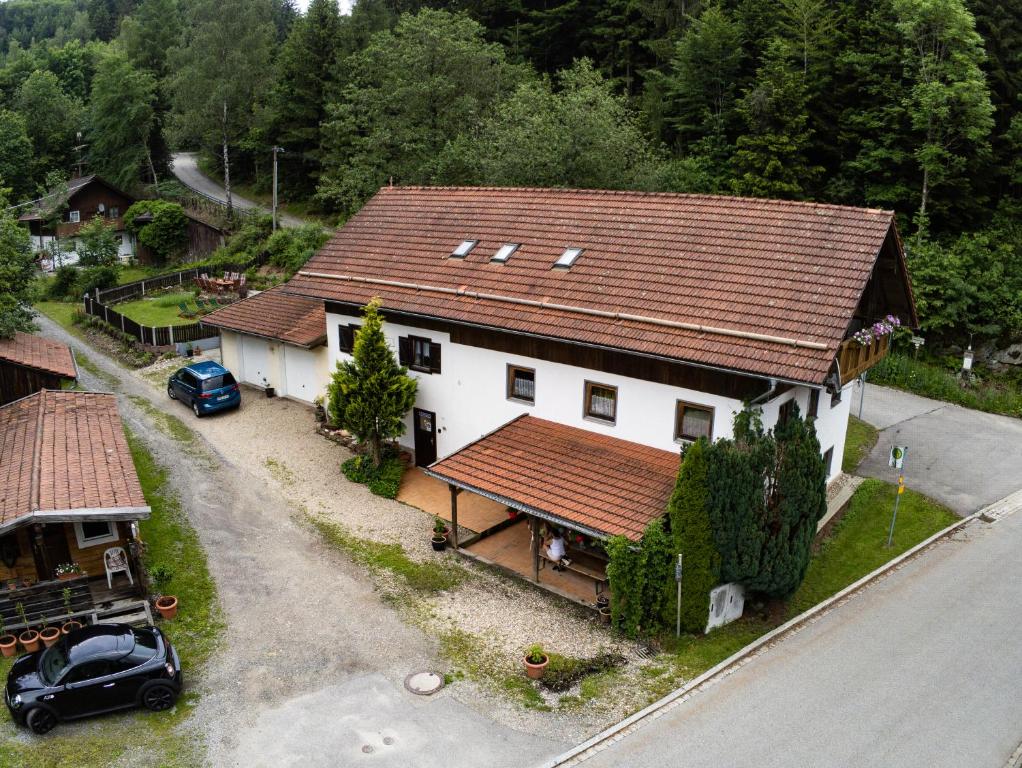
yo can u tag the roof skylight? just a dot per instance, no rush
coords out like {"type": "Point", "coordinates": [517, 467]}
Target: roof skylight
{"type": "Point", "coordinates": [504, 252]}
{"type": "Point", "coordinates": [463, 250]}
{"type": "Point", "coordinates": [566, 259]}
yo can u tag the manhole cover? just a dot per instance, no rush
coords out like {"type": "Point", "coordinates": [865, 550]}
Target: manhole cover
{"type": "Point", "coordinates": [424, 683]}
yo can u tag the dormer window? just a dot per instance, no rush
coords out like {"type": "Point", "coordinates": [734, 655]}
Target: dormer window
{"type": "Point", "coordinates": [464, 249]}
{"type": "Point", "coordinates": [568, 258]}
{"type": "Point", "coordinates": [504, 252]}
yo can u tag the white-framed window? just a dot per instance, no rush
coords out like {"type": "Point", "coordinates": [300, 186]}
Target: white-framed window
{"type": "Point", "coordinates": [74, 216]}
{"type": "Point", "coordinates": [94, 533]}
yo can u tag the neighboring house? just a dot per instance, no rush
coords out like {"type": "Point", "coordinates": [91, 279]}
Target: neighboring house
{"type": "Point", "coordinates": [276, 339]}
{"type": "Point", "coordinates": [68, 494]}
{"type": "Point", "coordinates": [54, 219]}
{"type": "Point", "coordinates": [29, 363]}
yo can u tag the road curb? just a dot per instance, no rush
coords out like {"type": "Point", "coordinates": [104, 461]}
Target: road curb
{"type": "Point", "coordinates": [631, 723]}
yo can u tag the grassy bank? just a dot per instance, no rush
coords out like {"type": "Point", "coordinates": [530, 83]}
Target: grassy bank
{"type": "Point", "coordinates": [859, 441]}
{"type": "Point", "coordinates": [138, 737]}
{"type": "Point", "coordinates": [995, 394]}
{"type": "Point", "coordinates": [160, 310]}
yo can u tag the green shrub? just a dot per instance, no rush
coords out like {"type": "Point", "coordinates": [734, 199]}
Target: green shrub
{"type": "Point", "coordinates": [65, 282]}
{"type": "Point", "coordinates": [562, 672]}
{"type": "Point", "coordinates": [166, 235]}
{"type": "Point", "coordinates": [97, 278]}
{"type": "Point", "coordinates": [289, 249]}
{"type": "Point", "coordinates": [384, 480]}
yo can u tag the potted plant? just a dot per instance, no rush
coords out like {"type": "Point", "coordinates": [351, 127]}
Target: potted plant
{"type": "Point", "coordinates": [49, 635]}
{"type": "Point", "coordinates": [189, 350]}
{"type": "Point", "coordinates": [440, 532]}
{"type": "Point", "coordinates": [8, 642]}
{"type": "Point", "coordinates": [270, 391]}
{"type": "Point", "coordinates": [29, 638]}
{"type": "Point", "coordinates": [535, 662]}
{"type": "Point", "coordinates": [160, 576]}
{"type": "Point", "coordinates": [67, 571]}
{"type": "Point", "coordinates": [71, 624]}
{"type": "Point", "coordinates": [320, 409]}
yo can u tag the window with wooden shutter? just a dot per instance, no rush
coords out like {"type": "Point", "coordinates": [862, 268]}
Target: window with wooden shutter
{"type": "Point", "coordinates": [346, 337]}
{"type": "Point", "coordinates": [785, 412]}
{"type": "Point", "coordinates": [814, 404]}
{"type": "Point", "coordinates": [434, 357]}
{"type": "Point", "coordinates": [404, 351]}
{"type": "Point", "coordinates": [419, 354]}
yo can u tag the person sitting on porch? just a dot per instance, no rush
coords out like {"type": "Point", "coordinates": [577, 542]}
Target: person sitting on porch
{"type": "Point", "coordinates": [555, 551]}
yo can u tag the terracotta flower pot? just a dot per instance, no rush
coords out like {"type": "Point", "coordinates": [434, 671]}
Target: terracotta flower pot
{"type": "Point", "coordinates": [49, 636]}
{"type": "Point", "coordinates": [439, 542]}
{"type": "Point", "coordinates": [67, 576]}
{"type": "Point", "coordinates": [167, 606]}
{"type": "Point", "coordinates": [605, 614]}
{"type": "Point", "coordinates": [30, 640]}
{"type": "Point", "coordinates": [535, 671]}
{"type": "Point", "coordinates": [70, 626]}
{"type": "Point", "coordinates": [8, 645]}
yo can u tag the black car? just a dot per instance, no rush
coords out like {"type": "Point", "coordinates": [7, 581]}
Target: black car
{"type": "Point", "coordinates": [93, 670]}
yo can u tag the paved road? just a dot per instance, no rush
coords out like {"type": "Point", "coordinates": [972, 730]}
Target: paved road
{"type": "Point", "coordinates": [964, 459]}
{"type": "Point", "coordinates": [921, 670]}
{"type": "Point", "coordinates": [314, 660]}
{"type": "Point", "coordinates": [184, 165]}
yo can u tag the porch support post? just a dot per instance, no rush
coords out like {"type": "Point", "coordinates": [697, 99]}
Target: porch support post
{"type": "Point", "coordinates": [534, 529]}
{"type": "Point", "coordinates": [44, 568]}
{"type": "Point", "coordinates": [454, 514]}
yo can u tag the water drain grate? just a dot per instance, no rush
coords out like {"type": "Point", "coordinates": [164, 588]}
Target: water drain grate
{"type": "Point", "coordinates": [424, 683]}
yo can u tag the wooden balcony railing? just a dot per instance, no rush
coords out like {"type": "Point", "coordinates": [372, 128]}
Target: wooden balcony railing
{"type": "Point", "coordinates": [854, 358]}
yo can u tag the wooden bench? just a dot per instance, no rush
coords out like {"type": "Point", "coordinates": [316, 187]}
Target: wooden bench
{"type": "Point", "coordinates": [581, 563]}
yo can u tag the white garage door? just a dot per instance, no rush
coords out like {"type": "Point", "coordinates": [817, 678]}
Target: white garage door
{"type": "Point", "coordinates": [255, 361]}
{"type": "Point", "coordinates": [303, 372]}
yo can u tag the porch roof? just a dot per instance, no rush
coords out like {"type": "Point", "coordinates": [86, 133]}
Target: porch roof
{"type": "Point", "coordinates": [38, 353]}
{"type": "Point", "coordinates": [586, 481]}
{"type": "Point", "coordinates": [64, 457]}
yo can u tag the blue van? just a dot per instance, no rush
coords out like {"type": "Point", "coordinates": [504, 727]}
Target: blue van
{"type": "Point", "coordinates": [207, 387]}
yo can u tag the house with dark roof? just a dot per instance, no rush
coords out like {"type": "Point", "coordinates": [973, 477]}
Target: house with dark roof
{"type": "Point", "coordinates": [29, 363]}
{"type": "Point", "coordinates": [565, 331]}
{"type": "Point", "coordinates": [69, 493]}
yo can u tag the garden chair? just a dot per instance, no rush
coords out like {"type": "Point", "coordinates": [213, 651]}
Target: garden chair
{"type": "Point", "coordinates": [242, 289]}
{"type": "Point", "coordinates": [115, 560]}
{"type": "Point", "coordinates": [204, 308]}
{"type": "Point", "coordinates": [185, 312]}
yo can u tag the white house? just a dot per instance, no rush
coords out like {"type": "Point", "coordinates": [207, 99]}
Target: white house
{"type": "Point", "coordinates": [648, 318]}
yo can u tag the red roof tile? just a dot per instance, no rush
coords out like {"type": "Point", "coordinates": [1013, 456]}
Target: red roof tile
{"type": "Point", "coordinates": [591, 481]}
{"type": "Point", "coordinates": [275, 314]}
{"type": "Point", "coordinates": [64, 452]}
{"type": "Point", "coordinates": [39, 353]}
{"type": "Point", "coordinates": [762, 286]}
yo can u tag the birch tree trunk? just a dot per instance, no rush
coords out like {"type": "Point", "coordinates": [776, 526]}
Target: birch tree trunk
{"type": "Point", "coordinates": [227, 165]}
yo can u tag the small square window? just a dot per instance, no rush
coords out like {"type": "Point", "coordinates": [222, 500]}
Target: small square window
{"type": "Point", "coordinates": [692, 422]}
{"type": "Point", "coordinates": [74, 216]}
{"type": "Point", "coordinates": [568, 258]}
{"type": "Point", "coordinates": [601, 402]}
{"type": "Point", "coordinates": [504, 252]}
{"type": "Point", "coordinates": [114, 212]}
{"type": "Point", "coordinates": [346, 337]}
{"type": "Point", "coordinates": [91, 534]}
{"type": "Point", "coordinates": [464, 249]}
{"type": "Point", "coordinates": [521, 384]}
{"type": "Point", "coordinates": [785, 412]}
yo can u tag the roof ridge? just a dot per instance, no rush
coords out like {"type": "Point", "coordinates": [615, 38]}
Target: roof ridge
{"type": "Point", "coordinates": [33, 488]}
{"type": "Point", "coordinates": [636, 193]}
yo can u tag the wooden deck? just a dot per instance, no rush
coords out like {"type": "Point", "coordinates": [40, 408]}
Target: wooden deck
{"type": "Point", "coordinates": [509, 550]}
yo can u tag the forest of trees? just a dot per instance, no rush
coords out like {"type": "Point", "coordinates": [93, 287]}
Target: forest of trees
{"type": "Point", "coordinates": [910, 105]}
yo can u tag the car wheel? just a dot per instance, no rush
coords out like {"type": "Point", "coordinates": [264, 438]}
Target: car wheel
{"type": "Point", "coordinates": [41, 720]}
{"type": "Point", "coordinates": [157, 696]}
{"type": "Point", "coordinates": [196, 411]}
{"type": "Point", "coordinates": [171, 393]}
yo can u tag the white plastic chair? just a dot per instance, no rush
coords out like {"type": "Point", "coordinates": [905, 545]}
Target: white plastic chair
{"type": "Point", "coordinates": [116, 561]}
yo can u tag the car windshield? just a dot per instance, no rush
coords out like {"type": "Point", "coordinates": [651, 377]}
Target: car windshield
{"type": "Point", "coordinates": [53, 663]}
{"type": "Point", "coordinates": [217, 382]}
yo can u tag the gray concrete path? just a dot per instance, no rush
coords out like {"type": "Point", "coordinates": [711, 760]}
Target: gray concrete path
{"type": "Point", "coordinates": [965, 459]}
{"type": "Point", "coordinates": [921, 670]}
{"type": "Point", "coordinates": [185, 167]}
{"type": "Point", "coordinates": [313, 664]}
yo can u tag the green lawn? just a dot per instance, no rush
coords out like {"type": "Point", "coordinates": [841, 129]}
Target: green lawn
{"type": "Point", "coordinates": [58, 311]}
{"type": "Point", "coordinates": [138, 737]}
{"type": "Point", "coordinates": [858, 544]}
{"type": "Point", "coordinates": [160, 310]}
{"type": "Point", "coordinates": [859, 441]}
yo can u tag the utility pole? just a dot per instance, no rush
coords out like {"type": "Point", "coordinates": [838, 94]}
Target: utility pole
{"type": "Point", "coordinates": [276, 150]}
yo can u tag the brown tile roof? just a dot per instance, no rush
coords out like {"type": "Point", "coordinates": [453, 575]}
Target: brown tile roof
{"type": "Point", "coordinates": [62, 453]}
{"type": "Point", "coordinates": [275, 314]}
{"type": "Point", "coordinates": [39, 353]}
{"type": "Point", "coordinates": [590, 481]}
{"type": "Point", "coordinates": [762, 286]}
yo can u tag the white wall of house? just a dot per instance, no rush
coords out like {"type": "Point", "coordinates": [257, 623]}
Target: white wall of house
{"type": "Point", "coordinates": [293, 371]}
{"type": "Point", "coordinates": [469, 397]}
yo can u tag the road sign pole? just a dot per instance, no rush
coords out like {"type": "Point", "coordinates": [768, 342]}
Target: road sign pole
{"type": "Point", "coordinates": [862, 392]}
{"type": "Point", "coordinates": [894, 517]}
{"type": "Point", "coordinates": [677, 578]}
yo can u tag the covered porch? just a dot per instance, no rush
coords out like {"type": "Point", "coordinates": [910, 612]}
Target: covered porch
{"type": "Point", "coordinates": [548, 477]}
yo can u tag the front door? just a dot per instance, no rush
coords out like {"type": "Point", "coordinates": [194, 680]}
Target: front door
{"type": "Point", "coordinates": [425, 437]}
{"type": "Point", "coordinates": [49, 546]}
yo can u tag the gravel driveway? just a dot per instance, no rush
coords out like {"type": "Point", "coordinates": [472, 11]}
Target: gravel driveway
{"type": "Point", "coordinates": [313, 664]}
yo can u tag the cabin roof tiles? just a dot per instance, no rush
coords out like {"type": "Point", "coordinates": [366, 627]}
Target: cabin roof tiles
{"type": "Point", "coordinates": [274, 314]}
{"type": "Point", "coordinates": [65, 452]}
{"type": "Point", "coordinates": [38, 353]}
{"type": "Point", "coordinates": [790, 271]}
{"type": "Point", "coordinates": [584, 479]}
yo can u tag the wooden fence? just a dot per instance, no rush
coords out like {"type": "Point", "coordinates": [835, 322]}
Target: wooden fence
{"type": "Point", "coordinates": [45, 600]}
